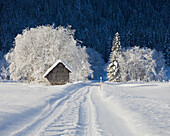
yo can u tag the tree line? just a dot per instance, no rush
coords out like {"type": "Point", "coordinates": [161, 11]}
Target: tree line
{"type": "Point", "coordinates": [141, 23]}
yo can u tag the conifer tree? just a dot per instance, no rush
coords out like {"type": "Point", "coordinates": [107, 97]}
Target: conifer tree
{"type": "Point", "coordinates": [113, 69]}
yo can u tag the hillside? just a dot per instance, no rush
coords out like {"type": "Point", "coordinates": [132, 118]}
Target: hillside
{"type": "Point", "coordinates": [139, 22]}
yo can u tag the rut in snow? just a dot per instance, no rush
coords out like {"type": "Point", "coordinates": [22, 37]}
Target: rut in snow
{"type": "Point", "coordinates": [51, 112]}
{"type": "Point", "coordinates": [73, 119]}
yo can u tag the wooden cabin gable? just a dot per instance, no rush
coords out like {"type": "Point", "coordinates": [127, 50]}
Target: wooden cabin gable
{"type": "Point", "coordinates": [58, 75]}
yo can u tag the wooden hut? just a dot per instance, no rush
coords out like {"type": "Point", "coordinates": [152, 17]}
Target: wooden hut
{"type": "Point", "coordinates": [58, 73]}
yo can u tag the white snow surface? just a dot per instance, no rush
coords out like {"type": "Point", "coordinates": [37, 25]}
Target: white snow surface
{"type": "Point", "coordinates": [82, 109]}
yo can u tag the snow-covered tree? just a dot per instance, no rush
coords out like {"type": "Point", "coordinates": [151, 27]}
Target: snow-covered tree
{"type": "Point", "coordinates": [36, 49]}
{"type": "Point", "coordinates": [142, 64]}
{"type": "Point", "coordinates": [113, 69]}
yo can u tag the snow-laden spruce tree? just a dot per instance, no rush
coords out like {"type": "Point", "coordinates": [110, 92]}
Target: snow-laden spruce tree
{"type": "Point", "coordinates": [36, 49]}
{"type": "Point", "coordinates": [113, 69]}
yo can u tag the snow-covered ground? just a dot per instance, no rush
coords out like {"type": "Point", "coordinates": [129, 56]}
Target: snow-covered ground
{"type": "Point", "coordinates": [82, 109]}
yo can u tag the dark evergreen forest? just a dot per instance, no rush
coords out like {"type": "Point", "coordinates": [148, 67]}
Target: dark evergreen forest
{"type": "Point", "coordinates": [139, 22]}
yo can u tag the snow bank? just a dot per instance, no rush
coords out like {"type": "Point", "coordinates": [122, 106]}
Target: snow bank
{"type": "Point", "coordinates": [22, 104]}
{"type": "Point", "coordinates": [144, 107]}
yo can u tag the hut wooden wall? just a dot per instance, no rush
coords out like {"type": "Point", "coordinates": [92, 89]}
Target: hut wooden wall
{"type": "Point", "coordinates": [59, 75]}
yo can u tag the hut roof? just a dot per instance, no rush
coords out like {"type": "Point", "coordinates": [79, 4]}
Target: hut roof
{"type": "Point", "coordinates": [54, 65]}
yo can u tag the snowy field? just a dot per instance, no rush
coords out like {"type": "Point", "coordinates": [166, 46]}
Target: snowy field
{"type": "Point", "coordinates": [82, 109]}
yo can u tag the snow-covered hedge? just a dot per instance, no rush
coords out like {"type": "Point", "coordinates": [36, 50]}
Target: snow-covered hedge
{"type": "Point", "coordinates": [142, 64]}
{"type": "Point", "coordinates": [36, 49]}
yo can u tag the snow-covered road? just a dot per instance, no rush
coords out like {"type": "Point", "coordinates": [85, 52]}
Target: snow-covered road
{"type": "Point", "coordinates": [82, 109]}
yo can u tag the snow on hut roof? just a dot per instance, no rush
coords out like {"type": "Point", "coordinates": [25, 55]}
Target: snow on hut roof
{"type": "Point", "coordinates": [54, 65]}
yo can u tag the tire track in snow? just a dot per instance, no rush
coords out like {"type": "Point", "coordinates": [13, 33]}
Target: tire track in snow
{"type": "Point", "coordinates": [93, 128]}
{"type": "Point", "coordinates": [51, 112]}
{"type": "Point", "coordinates": [77, 119]}
{"type": "Point", "coordinates": [72, 120]}
{"type": "Point", "coordinates": [80, 113]}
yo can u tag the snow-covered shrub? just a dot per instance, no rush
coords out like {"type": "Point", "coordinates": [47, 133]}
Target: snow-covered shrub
{"type": "Point", "coordinates": [36, 49]}
{"type": "Point", "coordinates": [97, 63]}
{"type": "Point", "coordinates": [142, 64]}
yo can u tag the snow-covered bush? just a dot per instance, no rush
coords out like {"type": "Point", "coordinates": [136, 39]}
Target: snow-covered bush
{"type": "Point", "coordinates": [36, 49]}
{"type": "Point", "coordinates": [142, 64]}
{"type": "Point", "coordinates": [97, 63]}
